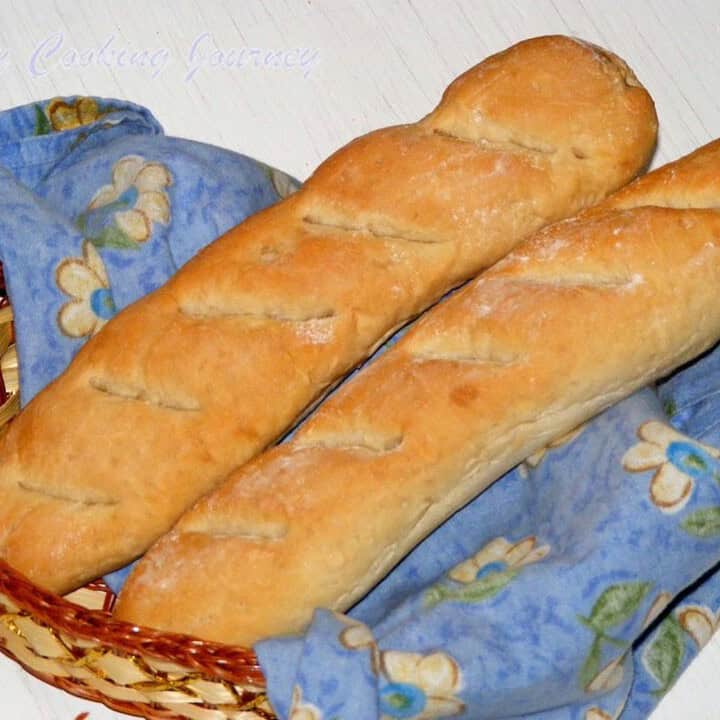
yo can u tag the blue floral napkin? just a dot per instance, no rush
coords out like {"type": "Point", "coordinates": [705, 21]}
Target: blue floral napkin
{"type": "Point", "coordinates": [97, 208]}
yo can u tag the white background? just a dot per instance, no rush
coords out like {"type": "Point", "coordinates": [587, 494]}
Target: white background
{"type": "Point", "coordinates": [364, 65]}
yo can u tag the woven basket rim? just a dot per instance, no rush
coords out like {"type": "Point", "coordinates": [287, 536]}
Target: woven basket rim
{"type": "Point", "coordinates": [79, 690]}
{"type": "Point", "coordinates": [234, 664]}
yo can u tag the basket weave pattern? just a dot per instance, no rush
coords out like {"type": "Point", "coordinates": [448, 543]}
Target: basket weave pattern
{"type": "Point", "coordinates": [74, 644]}
{"type": "Point", "coordinates": [9, 388]}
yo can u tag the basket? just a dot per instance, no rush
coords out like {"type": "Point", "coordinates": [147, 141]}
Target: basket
{"type": "Point", "coordinates": [74, 643]}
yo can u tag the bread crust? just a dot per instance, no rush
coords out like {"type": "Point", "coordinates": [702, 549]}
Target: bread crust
{"type": "Point", "coordinates": [198, 377]}
{"type": "Point", "coordinates": [582, 314]}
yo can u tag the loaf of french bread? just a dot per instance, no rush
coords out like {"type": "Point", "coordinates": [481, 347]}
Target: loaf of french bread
{"type": "Point", "coordinates": [579, 316]}
{"type": "Point", "coordinates": [195, 379]}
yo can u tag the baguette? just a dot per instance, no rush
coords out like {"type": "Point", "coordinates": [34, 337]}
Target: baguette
{"type": "Point", "coordinates": [192, 381]}
{"type": "Point", "coordinates": [576, 318]}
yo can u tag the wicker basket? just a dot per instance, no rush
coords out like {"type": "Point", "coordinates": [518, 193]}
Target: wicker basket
{"type": "Point", "coordinates": [74, 644]}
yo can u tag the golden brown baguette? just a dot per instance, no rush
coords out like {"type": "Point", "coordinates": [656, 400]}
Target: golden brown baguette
{"type": "Point", "coordinates": [195, 379]}
{"type": "Point", "coordinates": [579, 316]}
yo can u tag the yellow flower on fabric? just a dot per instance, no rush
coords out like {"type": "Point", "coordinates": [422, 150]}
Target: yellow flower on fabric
{"type": "Point", "coordinates": [677, 460]}
{"type": "Point", "coordinates": [699, 622]}
{"type": "Point", "coordinates": [608, 678]}
{"type": "Point", "coordinates": [68, 116]}
{"type": "Point", "coordinates": [499, 555]}
{"type": "Point", "coordinates": [300, 710]}
{"type": "Point", "coordinates": [122, 214]}
{"type": "Point", "coordinates": [86, 282]}
{"type": "Point", "coordinates": [419, 687]}
{"type": "Point", "coordinates": [357, 637]}
{"type": "Point", "coordinates": [412, 686]}
{"type": "Point", "coordinates": [661, 601]}
{"type": "Point", "coordinates": [595, 713]}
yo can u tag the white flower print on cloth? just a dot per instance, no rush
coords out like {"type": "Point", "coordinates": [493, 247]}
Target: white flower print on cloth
{"type": "Point", "coordinates": [86, 282]}
{"type": "Point", "coordinates": [486, 573]}
{"type": "Point", "coordinates": [301, 710]}
{"type": "Point", "coordinates": [661, 601]}
{"type": "Point", "coordinates": [595, 713]}
{"type": "Point", "coordinates": [699, 622]}
{"type": "Point", "coordinates": [123, 213]}
{"type": "Point", "coordinates": [411, 686]}
{"type": "Point", "coordinates": [498, 556]}
{"type": "Point", "coordinates": [678, 461]}
{"type": "Point", "coordinates": [358, 637]}
{"type": "Point", "coordinates": [608, 678]}
{"type": "Point", "coordinates": [421, 687]}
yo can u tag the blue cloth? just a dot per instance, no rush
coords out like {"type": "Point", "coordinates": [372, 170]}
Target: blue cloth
{"type": "Point", "coordinates": [97, 208]}
{"type": "Point", "coordinates": [577, 587]}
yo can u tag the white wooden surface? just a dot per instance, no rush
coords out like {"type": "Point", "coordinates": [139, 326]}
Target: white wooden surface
{"type": "Point", "coordinates": [289, 81]}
